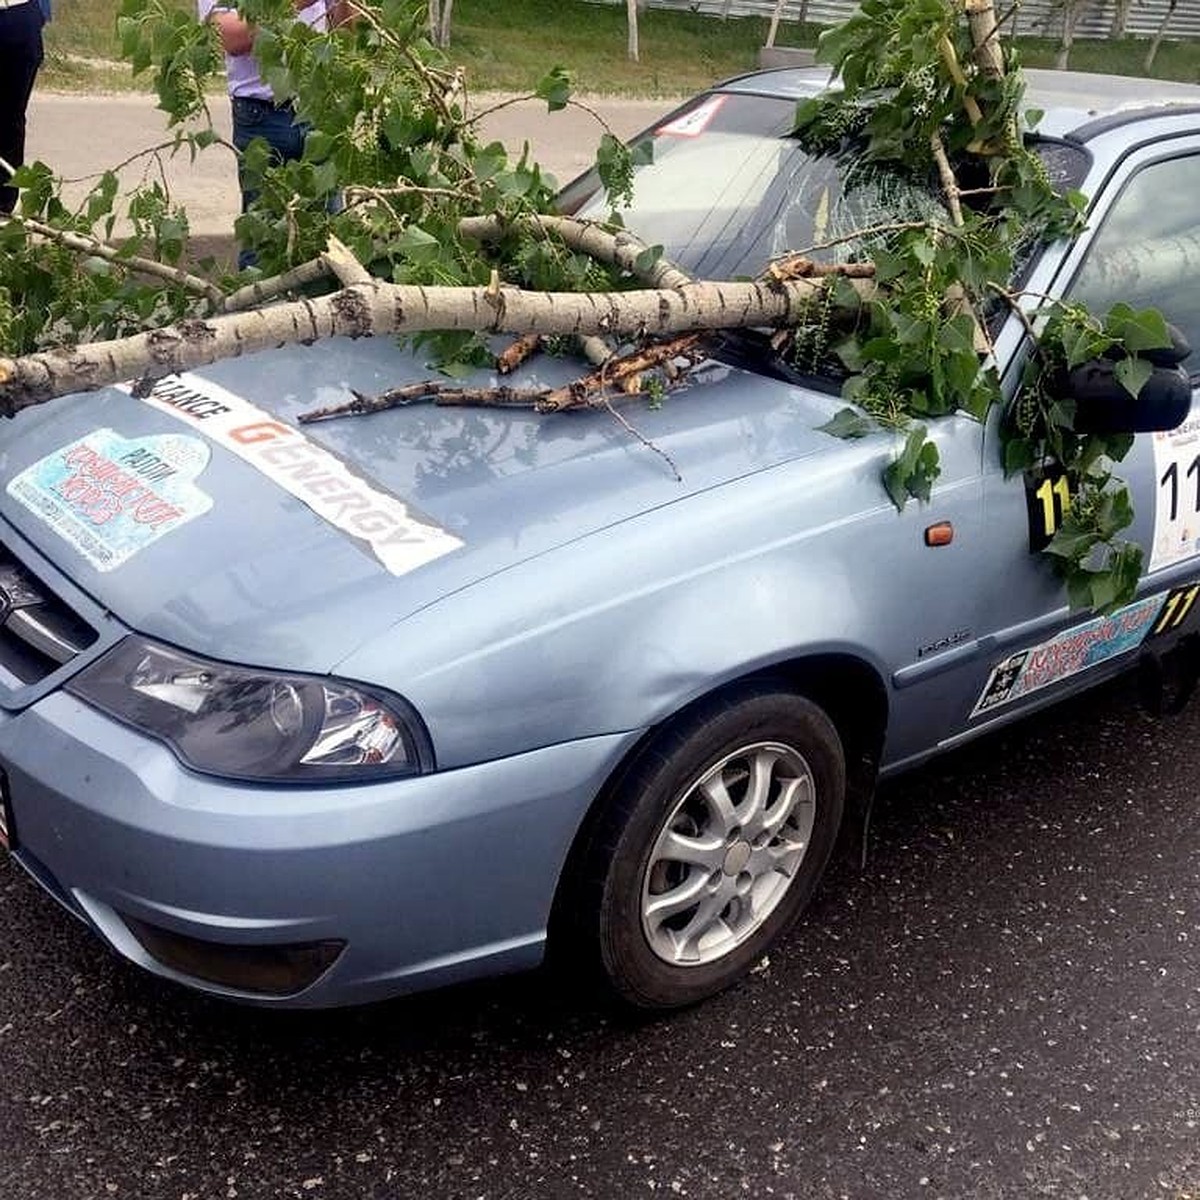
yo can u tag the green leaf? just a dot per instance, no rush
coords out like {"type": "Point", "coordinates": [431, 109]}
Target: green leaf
{"type": "Point", "coordinates": [914, 471]}
{"type": "Point", "coordinates": [318, 145]}
{"type": "Point", "coordinates": [555, 88]}
{"type": "Point", "coordinates": [417, 245]}
{"type": "Point", "coordinates": [1132, 374]}
{"type": "Point", "coordinates": [847, 423]}
{"type": "Point", "coordinates": [1137, 330]}
{"type": "Point", "coordinates": [647, 258]}
{"type": "Point", "coordinates": [641, 154]}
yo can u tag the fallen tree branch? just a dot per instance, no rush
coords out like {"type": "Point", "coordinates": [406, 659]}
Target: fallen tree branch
{"type": "Point", "coordinates": [384, 308]}
{"type": "Point", "coordinates": [268, 289]}
{"type": "Point", "coordinates": [340, 261]}
{"type": "Point", "coordinates": [522, 350]}
{"type": "Point", "coordinates": [429, 391]}
{"type": "Point", "coordinates": [85, 244]}
{"type": "Point", "coordinates": [948, 180]}
{"type": "Point", "coordinates": [981, 17]}
{"type": "Point", "coordinates": [622, 249]}
{"type": "Point", "coordinates": [623, 373]}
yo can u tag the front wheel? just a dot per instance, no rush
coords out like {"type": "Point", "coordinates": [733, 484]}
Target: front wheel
{"type": "Point", "coordinates": [712, 844]}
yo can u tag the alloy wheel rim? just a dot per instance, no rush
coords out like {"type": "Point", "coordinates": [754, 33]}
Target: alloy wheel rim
{"type": "Point", "coordinates": [727, 854]}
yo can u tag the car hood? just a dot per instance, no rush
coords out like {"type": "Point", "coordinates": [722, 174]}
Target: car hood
{"type": "Point", "coordinates": [207, 516]}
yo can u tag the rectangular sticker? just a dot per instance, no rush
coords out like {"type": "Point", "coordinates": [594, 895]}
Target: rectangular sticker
{"type": "Point", "coordinates": [1176, 494]}
{"type": "Point", "coordinates": [400, 539]}
{"type": "Point", "coordinates": [1070, 652]}
{"type": "Point", "coordinates": [695, 121]}
{"type": "Point", "coordinates": [111, 496]}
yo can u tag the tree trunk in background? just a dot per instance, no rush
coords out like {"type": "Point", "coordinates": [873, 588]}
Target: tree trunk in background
{"type": "Point", "coordinates": [1120, 19]}
{"type": "Point", "coordinates": [631, 8]}
{"type": "Point", "coordinates": [775, 17]}
{"type": "Point", "coordinates": [443, 31]}
{"type": "Point", "coordinates": [1159, 34]}
{"type": "Point", "coordinates": [1072, 10]}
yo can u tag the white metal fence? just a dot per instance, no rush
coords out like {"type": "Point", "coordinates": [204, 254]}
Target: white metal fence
{"type": "Point", "coordinates": [1036, 18]}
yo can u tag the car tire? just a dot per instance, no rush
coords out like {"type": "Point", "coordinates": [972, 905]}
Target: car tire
{"type": "Point", "coordinates": [711, 844]}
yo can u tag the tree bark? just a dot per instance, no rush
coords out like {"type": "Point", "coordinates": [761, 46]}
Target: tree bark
{"type": "Point", "coordinates": [1159, 34]}
{"type": "Point", "coordinates": [1072, 11]}
{"type": "Point", "coordinates": [1120, 19]}
{"type": "Point", "coordinates": [776, 17]}
{"type": "Point", "coordinates": [383, 308]}
{"type": "Point", "coordinates": [443, 32]}
{"type": "Point", "coordinates": [981, 17]}
{"type": "Point", "coordinates": [631, 11]}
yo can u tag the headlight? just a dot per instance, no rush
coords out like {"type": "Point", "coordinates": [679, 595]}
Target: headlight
{"type": "Point", "coordinates": [250, 724]}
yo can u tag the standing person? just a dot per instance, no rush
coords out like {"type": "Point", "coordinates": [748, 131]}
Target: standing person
{"type": "Point", "coordinates": [20, 57]}
{"type": "Point", "coordinates": [255, 112]}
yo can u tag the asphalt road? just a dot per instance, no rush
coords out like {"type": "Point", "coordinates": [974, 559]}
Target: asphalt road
{"type": "Point", "coordinates": [1005, 1004]}
{"type": "Point", "coordinates": [80, 136]}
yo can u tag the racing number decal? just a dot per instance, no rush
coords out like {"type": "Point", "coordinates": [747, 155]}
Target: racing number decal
{"type": "Point", "coordinates": [1048, 500]}
{"type": "Point", "coordinates": [1170, 482]}
{"type": "Point", "coordinates": [1179, 603]}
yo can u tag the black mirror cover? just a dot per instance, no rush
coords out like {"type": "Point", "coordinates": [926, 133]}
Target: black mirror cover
{"type": "Point", "coordinates": [1104, 405]}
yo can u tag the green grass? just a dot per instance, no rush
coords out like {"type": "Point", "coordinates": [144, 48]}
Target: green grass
{"type": "Point", "coordinates": [507, 45]}
{"type": "Point", "coordinates": [1122, 56]}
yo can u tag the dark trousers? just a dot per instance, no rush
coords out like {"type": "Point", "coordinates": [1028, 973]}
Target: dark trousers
{"type": "Point", "coordinates": [278, 128]}
{"type": "Point", "coordinates": [20, 57]}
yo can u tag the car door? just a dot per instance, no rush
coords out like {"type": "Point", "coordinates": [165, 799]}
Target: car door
{"type": "Point", "coordinates": [1143, 248]}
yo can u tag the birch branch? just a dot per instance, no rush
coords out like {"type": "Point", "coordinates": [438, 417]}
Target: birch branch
{"type": "Point", "coordinates": [621, 249]}
{"type": "Point", "coordinates": [384, 308]}
{"type": "Point", "coordinates": [268, 289]}
{"type": "Point", "coordinates": [85, 244]}
{"type": "Point", "coordinates": [981, 17]}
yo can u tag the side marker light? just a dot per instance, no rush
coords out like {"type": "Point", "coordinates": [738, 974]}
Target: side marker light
{"type": "Point", "coordinates": [941, 534]}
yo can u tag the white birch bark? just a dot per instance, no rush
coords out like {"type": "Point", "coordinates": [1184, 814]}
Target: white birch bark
{"type": "Point", "coordinates": [631, 11]}
{"type": "Point", "coordinates": [382, 308]}
{"type": "Point", "coordinates": [776, 17]}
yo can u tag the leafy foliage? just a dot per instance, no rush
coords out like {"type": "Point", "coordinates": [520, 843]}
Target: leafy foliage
{"type": "Point", "coordinates": [392, 161]}
{"type": "Point", "coordinates": [920, 100]}
{"type": "Point", "coordinates": [1099, 568]}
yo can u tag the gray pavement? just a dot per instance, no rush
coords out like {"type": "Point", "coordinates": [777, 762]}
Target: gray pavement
{"type": "Point", "coordinates": [1005, 1004]}
{"type": "Point", "coordinates": [79, 136]}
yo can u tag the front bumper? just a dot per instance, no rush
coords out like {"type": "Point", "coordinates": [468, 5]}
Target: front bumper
{"type": "Point", "coordinates": [426, 881]}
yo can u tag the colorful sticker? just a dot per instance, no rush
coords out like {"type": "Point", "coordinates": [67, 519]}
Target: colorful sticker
{"type": "Point", "coordinates": [1177, 494]}
{"type": "Point", "coordinates": [400, 539]}
{"type": "Point", "coordinates": [695, 121]}
{"type": "Point", "coordinates": [1070, 652]}
{"type": "Point", "coordinates": [111, 496]}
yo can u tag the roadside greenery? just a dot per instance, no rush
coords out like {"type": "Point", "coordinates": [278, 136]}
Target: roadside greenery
{"type": "Point", "coordinates": [503, 44]}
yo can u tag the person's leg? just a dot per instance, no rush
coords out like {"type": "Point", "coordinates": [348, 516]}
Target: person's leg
{"type": "Point", "coordinates": [277, 127]}
{"type": "Point", "coordinates": [20, 58]}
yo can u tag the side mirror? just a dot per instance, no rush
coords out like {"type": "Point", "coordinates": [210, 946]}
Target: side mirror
{"type": "Point", "coordinates": [1103, 404]}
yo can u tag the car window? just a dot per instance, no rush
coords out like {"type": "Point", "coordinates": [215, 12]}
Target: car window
{"type": "Point", "coordinates": [728, 190]}
{"type": "Point", "coordinates": [1147, 250]}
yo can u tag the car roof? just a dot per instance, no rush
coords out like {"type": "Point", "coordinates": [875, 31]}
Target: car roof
{"type": "Point", "coordinates": [1075, 103]}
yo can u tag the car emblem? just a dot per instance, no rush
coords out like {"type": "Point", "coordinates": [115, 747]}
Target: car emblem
{"type": "Point", "coordinates": [17, 590]}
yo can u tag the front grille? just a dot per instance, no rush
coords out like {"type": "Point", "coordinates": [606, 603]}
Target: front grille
{"type": "Point", "coordinates": [38, 632]}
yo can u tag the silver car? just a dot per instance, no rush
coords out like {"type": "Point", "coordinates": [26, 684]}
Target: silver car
{"type": "Point", "coordinates": [311, 715]}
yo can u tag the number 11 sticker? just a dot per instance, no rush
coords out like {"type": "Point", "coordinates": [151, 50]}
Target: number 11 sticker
{"type": "Point", "coordinates": [1177, 494]}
